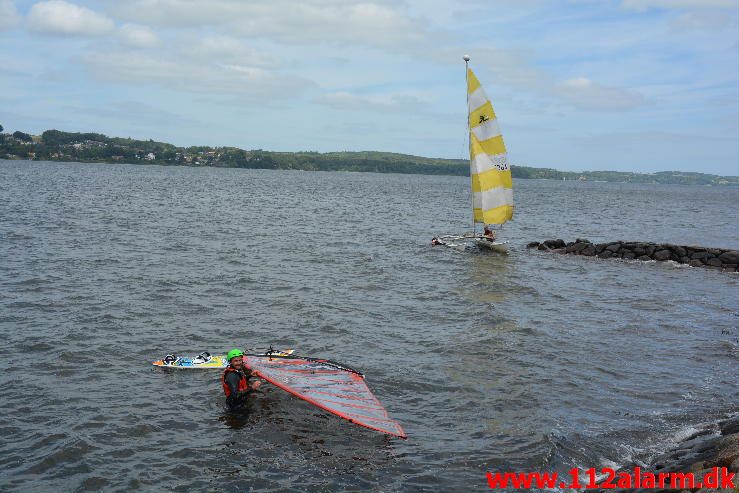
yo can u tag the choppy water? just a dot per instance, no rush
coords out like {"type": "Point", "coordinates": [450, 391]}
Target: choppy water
{"type": "Point", "coordinates": [529, 361]}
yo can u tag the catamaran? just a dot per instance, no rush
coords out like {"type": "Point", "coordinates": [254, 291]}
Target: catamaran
{"type": "Point", "coordinates": [490, 172]}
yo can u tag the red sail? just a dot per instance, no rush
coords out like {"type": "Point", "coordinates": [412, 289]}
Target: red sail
{"type": "Point", "coordinates": [337, 390]}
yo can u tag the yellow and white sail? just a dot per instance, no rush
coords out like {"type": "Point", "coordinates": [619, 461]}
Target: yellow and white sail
{"type": "Point", "coordinates": [492, 187]}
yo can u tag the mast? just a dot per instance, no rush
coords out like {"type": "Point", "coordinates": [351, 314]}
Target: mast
{"type": "Point", "coordinates": [469, 141]}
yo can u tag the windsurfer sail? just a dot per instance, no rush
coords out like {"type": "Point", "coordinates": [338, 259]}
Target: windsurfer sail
{"type": "Point", "coordinates": [328, 385]}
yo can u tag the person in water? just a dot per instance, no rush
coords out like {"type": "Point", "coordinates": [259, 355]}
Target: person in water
{"type": "Point", "coordinates": [235, 381]}
{"type": "Point", "coordinates": [488, 233]}
{"type": "Point", "coordinates": [436, 241]}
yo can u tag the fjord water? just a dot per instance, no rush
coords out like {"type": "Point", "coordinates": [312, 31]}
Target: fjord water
{"type": "Point", "coordinates": [530, 361]}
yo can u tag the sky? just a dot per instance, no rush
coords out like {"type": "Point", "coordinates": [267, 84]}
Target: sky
{"type": "Point", "coordinates": [625, 85]}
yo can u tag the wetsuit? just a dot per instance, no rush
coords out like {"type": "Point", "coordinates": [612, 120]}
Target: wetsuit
{"type": "Point", "coordinates": [236, 388]}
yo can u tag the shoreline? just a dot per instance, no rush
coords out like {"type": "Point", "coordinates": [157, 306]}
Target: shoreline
{"type": "Point", "coordinates": [713, 445]}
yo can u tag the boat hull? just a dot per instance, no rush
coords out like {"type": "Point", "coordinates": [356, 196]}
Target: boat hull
{"type": "Point", "coordinates": [494, 246]}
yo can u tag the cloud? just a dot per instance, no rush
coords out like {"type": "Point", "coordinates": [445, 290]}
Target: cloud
{"type": "Point", "coordinates": [642, 5]}
{"type": "Point", "coordinates": [138, 36]}
{"type": "Point", "coordinates": [213, 79]}
{"type": "Point", "coordinates": [588, 95]}
{"type": "Point", "coordinates": [63, 18]}
{"type": "Point", "coordinates": [8, 15]}
{"type": "Point", "coordinates": [225, 49]}
{"type": "Point", "coordinates": [706, 21]}
{"type": "Point", "coordinates": [339, 22]}
{"type": "Point", "coordinates": [395, 102]}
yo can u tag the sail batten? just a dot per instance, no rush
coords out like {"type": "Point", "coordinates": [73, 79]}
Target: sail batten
{"type": "Point", "coordinates": [490, 171]}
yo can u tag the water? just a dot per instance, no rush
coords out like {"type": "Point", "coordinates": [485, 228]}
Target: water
{"type": "Point", "coordinates": [530, 361]}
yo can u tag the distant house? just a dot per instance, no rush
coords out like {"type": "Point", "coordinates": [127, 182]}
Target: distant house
{"type": "Point", "coordinates": [150, 157]}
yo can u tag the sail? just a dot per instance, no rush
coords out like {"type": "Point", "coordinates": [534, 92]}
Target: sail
{"type": "Point", "coordinates": [492, 187]}
{"type": "Point", "coordinates": [335, 389]}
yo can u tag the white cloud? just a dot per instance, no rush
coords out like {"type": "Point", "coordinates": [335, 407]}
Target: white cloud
{"type": "Point", "coordinates": [60, 17]}
{"type": "Point", "coordinates": [585, 94]}
{"type": "Point", "coordinates": [394, 102]}
{"type": "Point", "coordinates": [225, 49]}
{"type": "Point", "coordinates": [138, 36]}
{"type": "Point", "coordinates": [340, 22]}
{"type": "Point", "coordinates": [707, 21]}
{"type": "Point", "coordinates": [642, 5]}
{"type": "Point", "coordinates": [8, 15]}
{"type": "Point", "coordinates": [211, 79]}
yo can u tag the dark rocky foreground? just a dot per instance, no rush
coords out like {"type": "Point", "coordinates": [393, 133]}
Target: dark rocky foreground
{"type": "Point", "coordinates": [695, 256]}
{"type": "Point", "coordinates": [713, 446]}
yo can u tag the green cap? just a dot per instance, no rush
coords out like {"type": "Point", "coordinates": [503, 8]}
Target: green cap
{"type": "Point", "coordinates": [234, 353]}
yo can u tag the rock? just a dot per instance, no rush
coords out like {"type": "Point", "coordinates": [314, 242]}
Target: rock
{"type": "Point", "coordinates": [629, 255]}
{"type": "Point", "coordinates": [644, 258]}
{"type": "Point", "coordinates": [613, 247]}
{"type": "Point", "coordinates": [581, 240]}
{"type": "Point", "coordinates": [714, 262]}
{"type": "Point", "coordinates": [600, 247]}
{"type": "Point", "coordinates": [730, 257]}
{"type": "Point", "coordinates": [684, 260]}
{"type": "Point", "coordinates": [533, 244]}
{"type": "Point", "coordinates": [695, 263]}
{"type": "Point", "coordinates": [699, 255]}
{"type": "Point", "coordinates": [555, 243]}
{"type": "Point", "coordinates": [578, 247]}
{"type": "Point", "coordinates": [662, 255]}
{"type": "Point", "coordinates": [605, 254]}
{"type": "Point", "coordinates": [588, 251]}
{"type": "Point", "coordinates": [542, 246]}
{"type": "Point", "coordinates": [650, 250]}
{"type": "Point", "coordinates": [679, 251]}
{"type": "Point", "coordinates": [730, 426]}
{"type": "Point", "coordinates": [639, 251]}
{"type": "Point", "coordinates": [728, 452]}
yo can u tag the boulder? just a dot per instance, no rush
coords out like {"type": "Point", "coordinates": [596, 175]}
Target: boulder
{"type": "Point", "coordinates": [662, 255]}
{"type": "Point", "coordinates": [639, 251]}
{"type": "Point", "coordinates": [699, 255]}
{"type": "Point", "coordinates": [650, 250]}
{"type": "Point", "coordinates": [644, 258]}
{"type": "Point", "coordinates": [588, 251]}
{"type": "Point", "coordinates": [714, 262]}
{"type": "Point", "coordinates": [555, 243]}
{"type": "Point", "coordinates": [579, 247]}
{"type": "Point", "coordinates": [600, 247]}
{"type": "Point", "coordinates": [679, 251]}
{"type": "Point", "coordinates": [614, 247]}
{"type": "Point", "coordinates": [629, 255]}
{"type": "Point", "coordinates": [684, 260]}
{"type": "Point", "coordinates": [605, 254]}
{"type": "Point", "coordinates": [730, 257]}
{"type": "Point", "coordinates": [695, 263]}
{"type": "Point", "coordinates": [533, 244]}
{"type": "Point", "coordinates": [542, 246]}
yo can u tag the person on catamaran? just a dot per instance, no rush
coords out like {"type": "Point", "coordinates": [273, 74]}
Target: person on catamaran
{"type": "Point", "coordinates": [235, 381]}
{"type": "Point", "coordinates": [488, 233]}
{"type": "Point", "coordinates": [436, 241]}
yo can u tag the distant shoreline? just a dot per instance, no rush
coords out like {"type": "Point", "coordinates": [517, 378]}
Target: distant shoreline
{"type": "Point", "coordinates": [58, 146]}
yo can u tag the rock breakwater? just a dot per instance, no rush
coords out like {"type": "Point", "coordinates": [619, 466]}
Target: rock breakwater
{"type": "Point", "coordinates": [695, 256]}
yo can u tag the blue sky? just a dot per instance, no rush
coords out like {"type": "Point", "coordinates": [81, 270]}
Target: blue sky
{"type": "Point", "coordinates": [630, 85]}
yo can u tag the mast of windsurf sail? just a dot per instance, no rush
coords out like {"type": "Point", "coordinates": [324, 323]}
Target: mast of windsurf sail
{"type": "Point", "coordinates": [469, 140]}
